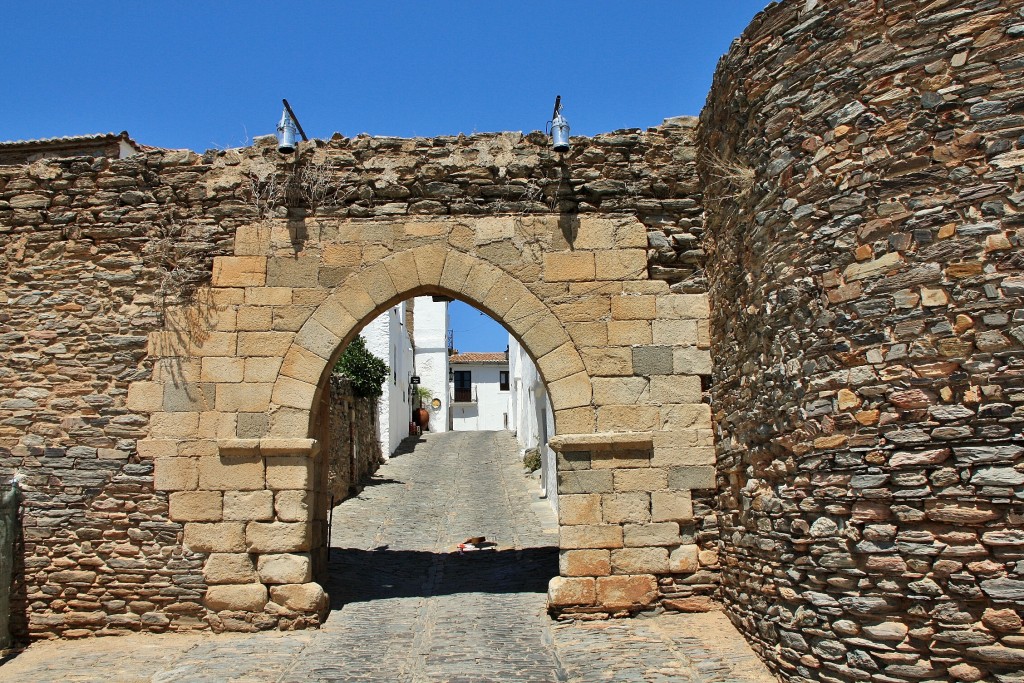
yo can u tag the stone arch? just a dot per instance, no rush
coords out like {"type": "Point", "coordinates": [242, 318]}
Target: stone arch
{"type": "Point", "coordinates": [236, 436]}
{"type": "Point", "coordinates": [431, 270]}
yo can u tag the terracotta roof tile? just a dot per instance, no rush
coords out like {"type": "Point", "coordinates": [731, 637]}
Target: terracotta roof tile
{"type": "Point", "coordinates": [479, 357]}
{"type": "Point", "coordinates": [73, 140]}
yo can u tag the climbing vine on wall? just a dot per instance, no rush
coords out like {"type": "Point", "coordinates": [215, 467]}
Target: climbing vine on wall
{"type": "Point", "coordinates": [367, 372]}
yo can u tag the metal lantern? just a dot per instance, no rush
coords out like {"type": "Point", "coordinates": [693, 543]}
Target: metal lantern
{"type": "Point", "coordinates": [287, 133]}
{"type": "Point", "coordinates": [559, 128]}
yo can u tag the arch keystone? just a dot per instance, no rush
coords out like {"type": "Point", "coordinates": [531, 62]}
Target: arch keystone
{"type": "Point", "coordinates": [430, 263]}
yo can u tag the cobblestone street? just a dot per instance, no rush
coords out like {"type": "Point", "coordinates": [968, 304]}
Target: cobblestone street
{"type": "Point", "coordinates": [406, 606]}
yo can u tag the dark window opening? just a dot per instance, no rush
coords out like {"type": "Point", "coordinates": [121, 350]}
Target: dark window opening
{"type": "Point", "coordinates": [463, 386]}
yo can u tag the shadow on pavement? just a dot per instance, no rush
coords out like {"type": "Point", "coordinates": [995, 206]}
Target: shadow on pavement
{"type": "Point", "coordinates": [408, 445]}
{"type": "Point", "coordinates": [361, 575]}
{"type": "Point", "coordinates": [375, 481]}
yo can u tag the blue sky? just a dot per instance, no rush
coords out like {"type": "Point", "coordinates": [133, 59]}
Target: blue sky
{"type": "Point", "coordinates": [473, 330]}
{"type": "Point", "coordinates": [203, 75]}
{"type": "Point", "coordinates": [212, 75]}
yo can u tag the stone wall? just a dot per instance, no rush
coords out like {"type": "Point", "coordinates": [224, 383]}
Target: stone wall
{"type": "Point", "coordinates": [863, 164]}
{"type": "Point", "coordinates": [346, 428]}
{"type": "Point", "coordinates": [168, 322]}
{"type": "Point", "coordinates": [78, 301]}
{"type": "Point", "coordinates": [106, 269]}
{"type": "Point", "coordinates": [353, 450]}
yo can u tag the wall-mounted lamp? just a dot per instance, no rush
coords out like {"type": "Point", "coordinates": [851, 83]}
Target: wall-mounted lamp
{"type": "Point", "coordinates": [559, 128]}
{"type": "Point", "coordinates": [287, 129]}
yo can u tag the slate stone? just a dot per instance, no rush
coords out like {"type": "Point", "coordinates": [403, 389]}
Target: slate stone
{"type": "Point", "coordinates": [1004, 589]}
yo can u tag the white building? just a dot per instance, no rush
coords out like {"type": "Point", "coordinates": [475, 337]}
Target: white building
{"type": "Point", "coordinates": [531, 414]}
{"type": "Point", "coordinates": [388, 338]}
{"type": "Point", "coordinates": [479, 391]}
{"type": "Point", "coordinates": [430, 344]}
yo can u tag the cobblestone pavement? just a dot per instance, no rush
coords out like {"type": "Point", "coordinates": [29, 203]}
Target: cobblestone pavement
{"type": "Point", "coordinates": [688, 648]}
{"type": "Point", "coordinates": [406, 606]}
{"type": "Point", "coordinates": [441, 615]}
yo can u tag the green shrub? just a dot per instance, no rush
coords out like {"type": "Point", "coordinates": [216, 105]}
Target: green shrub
{"type": "Point", "coordinates": [367, 372]}
{"type": "Point", "coordinates": [531, 459]}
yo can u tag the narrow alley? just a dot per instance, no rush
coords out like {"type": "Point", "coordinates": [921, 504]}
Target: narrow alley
{"type": "Point", "coordinates": [414, 607]}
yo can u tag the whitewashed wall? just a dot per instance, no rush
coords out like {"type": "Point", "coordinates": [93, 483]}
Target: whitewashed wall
{"type": "Point", "coordinates": [490, 412]}
{"type": "Point", "coordinates": [531, 414]}
{"type": "Point", "coordinates": [388, 339]}
{"type": "Point", "coordinates": [431, 350]}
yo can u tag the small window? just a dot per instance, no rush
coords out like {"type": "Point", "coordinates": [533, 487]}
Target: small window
{"type": "Point", "coordinates": [503, 380]}
{"type": "Point", "coordinates": [463, 381]}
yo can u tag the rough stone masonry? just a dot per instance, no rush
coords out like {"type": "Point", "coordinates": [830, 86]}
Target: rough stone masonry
{"type": "Point", "coordinates": [839, 231]}
{"type": "Point", "coordinates": [863, 186]}
{"type": "Point", "coordinates": [171, 319]}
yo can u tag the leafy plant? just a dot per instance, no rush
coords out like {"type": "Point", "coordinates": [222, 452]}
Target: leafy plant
{"type": "Point", "coordinates": [367, 372]}
{"type": "Point", "coordinates": [422, 395]}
